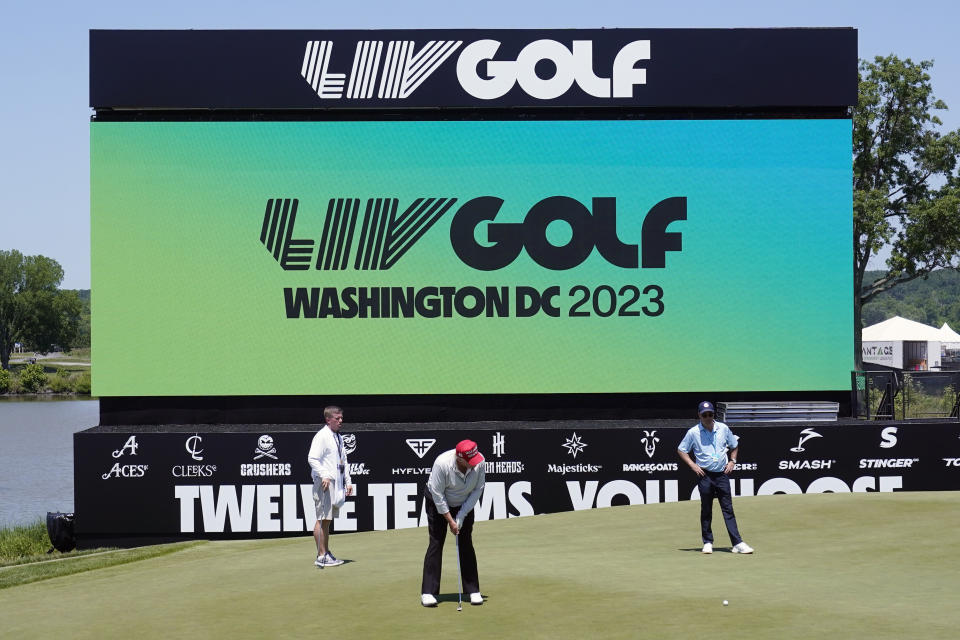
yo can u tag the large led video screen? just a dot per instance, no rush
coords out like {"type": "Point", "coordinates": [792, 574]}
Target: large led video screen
{"type": "Point", "coordinates": [470, 257]}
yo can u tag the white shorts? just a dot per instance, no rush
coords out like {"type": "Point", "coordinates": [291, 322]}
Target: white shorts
{"type": "Point", "coordinates": [323, 501]}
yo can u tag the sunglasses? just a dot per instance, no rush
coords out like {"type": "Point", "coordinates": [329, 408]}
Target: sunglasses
{"type": "Point", "coordinates": [707, 414]}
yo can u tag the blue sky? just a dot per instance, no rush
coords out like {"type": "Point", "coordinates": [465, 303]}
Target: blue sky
{"type": "Point", "coordinates": [44, 113]}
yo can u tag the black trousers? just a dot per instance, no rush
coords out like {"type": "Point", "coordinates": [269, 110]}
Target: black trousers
{"type": "Point", "coordinates": [433, 560]}
{"type": "Point", "coordinates": [717, 484]}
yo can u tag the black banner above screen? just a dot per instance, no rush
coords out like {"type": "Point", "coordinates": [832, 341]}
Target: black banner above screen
{"type": "Point", "coordinates": [473, 68]}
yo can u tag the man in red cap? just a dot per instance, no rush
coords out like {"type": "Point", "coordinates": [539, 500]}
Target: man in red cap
{"type": "Point", "coordinates": [455, 484]}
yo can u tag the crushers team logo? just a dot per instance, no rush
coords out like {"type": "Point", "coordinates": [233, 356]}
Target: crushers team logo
{"type": "Point", "coordinates": [265, 448]}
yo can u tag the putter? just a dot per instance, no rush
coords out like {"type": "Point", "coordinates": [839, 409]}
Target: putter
{"type": "Point", "coordinates": [459, 581]}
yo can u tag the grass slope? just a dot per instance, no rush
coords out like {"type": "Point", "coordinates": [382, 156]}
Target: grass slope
{"type": "Point", "coordinates": [831, 565]}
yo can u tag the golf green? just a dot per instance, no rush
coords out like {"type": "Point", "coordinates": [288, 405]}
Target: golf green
{"type": "Point", "coordinates": [826, 566]}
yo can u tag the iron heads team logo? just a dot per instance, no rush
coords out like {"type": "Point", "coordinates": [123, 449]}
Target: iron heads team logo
{"type": "Point", "coordinates": [805, 435]}
{"type": "Point", "coordinates": [574, 445]}
{"type": "Point", "coordinates": [499, 444]}
{"type": "Point", "coordinates": [265, 448]}
{"type": "Point", "coordinates": [420, 446]}
{"type": "Point", "coordinates": [349, 442]}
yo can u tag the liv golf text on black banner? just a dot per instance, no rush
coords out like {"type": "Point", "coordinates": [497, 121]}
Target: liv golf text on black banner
{"type": "Point", "coordinates": [249, 485]}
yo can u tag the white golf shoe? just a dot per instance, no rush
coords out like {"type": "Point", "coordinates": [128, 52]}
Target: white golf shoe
{"type": "Point", "coordinates": [707, 547]}
{"type": "Point", "coordinates": [427, 600]}
{"type": "Point", "coordinates": [743, 547]}
{"type": "Point", "coordinates": [476, 598]}
{"type": "Point", "coordinates": [331, 561]}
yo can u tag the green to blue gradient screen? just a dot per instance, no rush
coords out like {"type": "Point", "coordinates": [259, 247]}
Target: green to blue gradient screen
{"type": "Point", "coordinates": [201, 286]}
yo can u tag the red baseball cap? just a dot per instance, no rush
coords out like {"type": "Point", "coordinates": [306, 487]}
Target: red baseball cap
{"type": "Point", "coordinates": [467, 450]}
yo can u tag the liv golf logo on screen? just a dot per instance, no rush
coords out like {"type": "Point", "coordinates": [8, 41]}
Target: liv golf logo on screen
{"type": "Point", "coordinates": [402, 66]}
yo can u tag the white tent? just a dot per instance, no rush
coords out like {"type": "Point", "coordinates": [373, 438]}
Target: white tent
{"type": "Point", "coordinates": [948, 335]}
{"type": "Point", "coordinates": [897, 328]}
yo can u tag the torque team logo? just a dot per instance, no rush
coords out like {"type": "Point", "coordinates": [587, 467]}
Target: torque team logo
{"type": "Point", "coordinates": [806, 434]}
{"type": "Point", "coordinates": [574, 445]}
{"type": "Point", "coordinates": [420, 446]}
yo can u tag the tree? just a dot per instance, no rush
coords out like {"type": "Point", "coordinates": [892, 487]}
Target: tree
{"type": "Point", "coordinates": [32, 308]}
{"type": "Point", "coordinates": [906, 190]}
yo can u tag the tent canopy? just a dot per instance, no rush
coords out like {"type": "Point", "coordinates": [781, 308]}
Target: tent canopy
{"type": "Point", "coordinates": [897, 328]}
{"type": "Point", "coordinates": [948, 335]}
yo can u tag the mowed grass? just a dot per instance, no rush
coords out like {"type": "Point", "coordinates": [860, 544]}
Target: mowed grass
{"type": "Point", "coordinates": [826, 566]}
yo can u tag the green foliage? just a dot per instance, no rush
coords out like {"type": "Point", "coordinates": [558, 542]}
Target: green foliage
{"type": "Point", "coordinates": [61, 382]}
{"type": "Point", "coordinates": [906, 186]}
{"type": "Point", "coordinates": [932, 300]}
{"type": "Point", "coordinates": [23, 541]}
{"type": "Point", "coordinates": [81, 383]}
{"type": "Point", "coordinates": [33, 379]}
{"type": "Point", "coordinates": [32, 308]}
{"type": "Point", "coordinates": [6, 380]}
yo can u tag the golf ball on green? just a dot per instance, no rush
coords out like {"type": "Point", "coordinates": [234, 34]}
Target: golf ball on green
{"type": "Point", "coordinates": [725, 603]}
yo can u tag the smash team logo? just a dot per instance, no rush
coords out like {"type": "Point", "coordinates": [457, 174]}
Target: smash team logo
{"type": "Point", "coordinates": [574, 445]}
{"type": "Point", "coordinates": [401, 68]}
{"type": "Point", "coordinates": [806, 434]}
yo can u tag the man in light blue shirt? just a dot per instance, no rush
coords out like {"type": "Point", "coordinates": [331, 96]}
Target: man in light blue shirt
{"type": "Point", "coordinates": [710, 442]}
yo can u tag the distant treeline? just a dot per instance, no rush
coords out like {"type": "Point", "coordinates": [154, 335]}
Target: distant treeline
{"type": "Point", "coordinates": [932, 300]}
{"type": "Point", "coordinates": [83, 332]}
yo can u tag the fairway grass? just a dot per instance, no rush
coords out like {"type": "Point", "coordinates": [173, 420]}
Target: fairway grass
{"type": "Point", "coordinates": [827, 566]}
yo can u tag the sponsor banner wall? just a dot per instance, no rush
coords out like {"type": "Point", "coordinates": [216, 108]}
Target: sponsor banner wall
{"type": "Point", "coordinates": [222, 485]}
{"type": "Point", "coordinates": [312, 69]}
{"type": "Point", "coordinates": [481, 257]}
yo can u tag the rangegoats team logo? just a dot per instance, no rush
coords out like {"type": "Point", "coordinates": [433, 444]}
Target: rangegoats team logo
{"type": "Point", "coordinates": [650, 441]}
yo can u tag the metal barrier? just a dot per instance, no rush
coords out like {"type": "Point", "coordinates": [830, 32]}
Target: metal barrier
{"type": "Point", "coordinates": [904, 395]}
